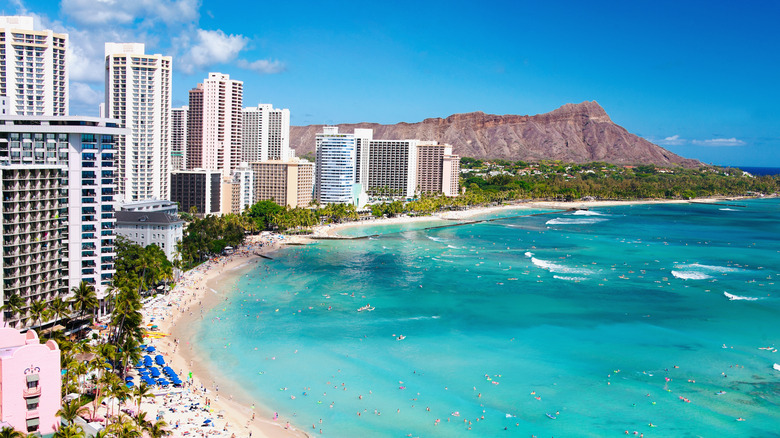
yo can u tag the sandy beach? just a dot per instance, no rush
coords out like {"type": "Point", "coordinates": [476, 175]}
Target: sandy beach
{"type": "Point", "coordinates": [233, 413]}
{"type": "Point", "coordinates": [209, 395]}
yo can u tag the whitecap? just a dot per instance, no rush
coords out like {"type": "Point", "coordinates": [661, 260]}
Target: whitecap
{"type": "Point", "coordinates": [587, 213]}
{"type": "Point", "coordinates": [560, 277]}
{"type": "Point", "coordinates": [529, 254]}
{"type": "Point", "coordinates": [727, 209]}
{"type": "Point", "coordinates": [574, 221]}
{"type": "Point", "coordinates": [561, 269]}
{"type": "Point", "coordinates": [691, 275]}
{"type": "Point", "coordinates": [708, 267]}
{"type": "Point", "coordinates": [453, 247]}
{"type": "Point", "coordinates": [436, 239]}
{"type": "Point", "coordinates": [733, 297]}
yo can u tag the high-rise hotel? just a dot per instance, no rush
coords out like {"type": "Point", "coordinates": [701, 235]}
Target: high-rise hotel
{"type": "Point", "coordinates": [214, 126]}
{"type": "Point", "coordinates": [33, 77]}
{"type": "Point", "coordinates": [58, 187]}
{"type": "Point", "coordinates": [138, 93]}
{"type": "Point", "coordinates": [266, 133]}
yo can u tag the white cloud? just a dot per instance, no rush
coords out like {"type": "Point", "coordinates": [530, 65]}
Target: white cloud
{"type": "Point", "coordinates": [674, 140]}
{"type": "Point", "coordinates": [212, 47]}
{"type": "Point", "coordinates": [112, 12]}
{"type": "Point", "coordinates": [263, 66]}
{"type": "Point", "coordinates": [719, 142]}
{"type": "Point", "coordinates": [82, 94]}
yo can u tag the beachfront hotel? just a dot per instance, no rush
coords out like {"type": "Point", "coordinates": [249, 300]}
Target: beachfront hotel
{"type": "Point", "coordinates": [179, 138]}
{"type": "Point", "coordinates": [335, 167]}
{"type": "Point", "coordinates": [33, 73]}
{"type": "Point", "coordinates": [214, 132]}
{"type": "Point", "coordinates": [392, 168]}
{"type": "Point", "coordinates": [30, 382]}
{"type": "Point", "coordinates": [58, 169]}
{"type": "Point", "coordinates": [151, 222]}
{"type": "Point", "coordinates": [266, 134]}
{"type": "Point", "coordinates": [437, 169]}
{"type": "Point", "coordinates": [238, 190]}
{"type": "Point", "coordinates": [138, 94]}
{"type": "Point", "coordinates": [287, 182]}
{"type": "Point", "coordinates": [199, 188]}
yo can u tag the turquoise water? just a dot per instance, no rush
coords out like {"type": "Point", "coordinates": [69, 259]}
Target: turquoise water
{"type": "Point", "coordinates": [608, 320]}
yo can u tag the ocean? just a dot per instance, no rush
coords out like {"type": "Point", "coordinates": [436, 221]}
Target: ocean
{"type": "Point", "coordinates": [657, 319]}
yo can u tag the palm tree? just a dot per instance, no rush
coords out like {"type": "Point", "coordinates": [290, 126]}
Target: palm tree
{"type": "Point", "coordinates": [84, 299]}
{"type": "Point", "coordinates": [58, 309]}
{"type": "Point", "coordinates": [70, 410]}
{"type": "Point", "coordinates": [13, 306]}
{"type": "Point", "coordinates": [125, 428]}
{"type": "Point", "coordinates": [157, 429]}
{"type": "Point", "coordinates": [69, 431]}
{"type": "Point", "coordinates": [37, 312]}
{"type": "Point", "coordinates": [141, 392]}
{"type": "Point", "coordinates": [10, 432]}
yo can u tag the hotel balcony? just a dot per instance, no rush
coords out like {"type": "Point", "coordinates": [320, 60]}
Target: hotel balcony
{"type": "Point", "coordinates": [32, 392]}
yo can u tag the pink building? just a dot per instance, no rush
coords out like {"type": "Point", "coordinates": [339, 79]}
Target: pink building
{"type": "Point", "coordinates": [30, 382]}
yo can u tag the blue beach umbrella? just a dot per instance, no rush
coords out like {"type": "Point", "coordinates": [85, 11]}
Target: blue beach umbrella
{"type": "Point", "coordinates": [129, 384]}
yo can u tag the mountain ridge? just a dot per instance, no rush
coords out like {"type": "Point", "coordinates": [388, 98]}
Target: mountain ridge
{"type": "Point", "coordinates": [577, 133]}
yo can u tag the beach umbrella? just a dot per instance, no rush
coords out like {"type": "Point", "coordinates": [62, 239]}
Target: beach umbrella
{"type": "Point", "coordinates": [155, 372]}
{"type": "Point", "coordinates": [128, 378]}
{"type": "Point", "coordinates": [150, 349]}
{"type": "Point", "coordinates": [129, 384]}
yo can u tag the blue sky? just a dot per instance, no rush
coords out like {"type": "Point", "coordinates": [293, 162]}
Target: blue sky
{"type": "Point", "coordinates": [699, 78]}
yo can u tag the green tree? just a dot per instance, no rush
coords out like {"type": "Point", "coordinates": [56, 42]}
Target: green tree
{"type": "Point", "coordinates": [70, 410]}
{"type": "Point", "coordinates": [10, 432]}
{"type": "Point", "coordinates": [84, 299]}
{"type": "Point", "coordinates": [14, 306]}
{"type": "Point", "coordinates": [37, 313]}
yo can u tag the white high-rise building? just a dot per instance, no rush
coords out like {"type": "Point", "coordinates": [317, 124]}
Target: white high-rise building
{"type": "Point", "coordinates": [33, 73]}
{"type": "Point", "coordinates": [221, 123]}
{"type": "Point", "coordinates": [138, 93]}
{"type": "Point", "coordinates": [335, 167]}
{"type": "Point", "coordinates": [266, 134]}
{"type": "Point", "coordinates": [179, 138]}
{"type": "Point", "coordinates": [83, 151]}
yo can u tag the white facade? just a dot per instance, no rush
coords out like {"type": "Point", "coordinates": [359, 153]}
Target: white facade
{"type": "Point", "coordinates": [266, 134]}
{"type": "Point", "coordinates": [179, 138]}
{"type": "Point", "coordinates": [33, 73]}
{"type": "Point", "coordinates": [138, 93]}
{"type": "Point", "coordinates": [244, 181]}
{"type": "Point", "coordinates": [335, 166]}
{"type": "Point", "coordinates": [151, 223]}
{"type": "Point", "coordinates": [222, 123]}
{"type": "Point", "coordinates": [85, 147]}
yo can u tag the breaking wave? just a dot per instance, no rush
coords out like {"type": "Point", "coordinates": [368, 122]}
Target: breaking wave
{"type": "Point", "coordinates": [691, 275]}
{"type": "Point", "coordinates": [587, 213]}
{"type": "Point", "coordinates": [574, 221]}
{"type": "Point", "coordinates": [560, 277]}
{"type": "Point", "coordinates": [733, 297]}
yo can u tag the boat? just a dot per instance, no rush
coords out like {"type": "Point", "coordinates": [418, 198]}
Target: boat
{"type": "Point", "coordinates": [776, 366]}
{"type": "Point", "coordinates": [366, 307]}
{"type": "Point", "coordinates": [551, 415]}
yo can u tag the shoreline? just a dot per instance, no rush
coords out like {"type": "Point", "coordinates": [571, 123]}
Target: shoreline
{"type": "Point", "coordinates": [332, 230]}
{"type": "Point", "coordinates": [202, 288]}
{"type": "Point", "coordinates": [233, 411]}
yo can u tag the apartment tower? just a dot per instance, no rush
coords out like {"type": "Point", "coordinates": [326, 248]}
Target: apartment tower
{"type": "Point", "coordinates": [266, 133]}
{"type": "Point", "coordinates": [438, 169]}
{"type": "Point", "coordinates": [335, 166]}
{"type": "Point", "coordinates": [138, 94]}
{"type": "Point", "coordinates": [179, 138]}
{"type": "Point", "coordinates": [215, 121]}
{"type": "Point", "coordinates": [33, 74]}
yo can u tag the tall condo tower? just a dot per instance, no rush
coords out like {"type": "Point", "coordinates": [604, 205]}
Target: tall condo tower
{"type": "Point", "coordinates": [266, 133]}
{"type": "Point", "coordinates": [215, 124]}
{"type": "Point", "coordinates": [138, 94]}
{"type": "Point", "coordinates": [33, 74]}
{"type": "Point", "coordinates": [335, 167]}
{"type": "Point", "coordinates": [179, 138]}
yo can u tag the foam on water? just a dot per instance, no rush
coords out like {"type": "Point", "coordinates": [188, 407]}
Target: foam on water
{"type": "Point", "coordinates": [587, 213]}
{"type": "Point", "coordinates": [574, 221]}
{"type": "Point", "coordinates": [691, 275]}
{"type": "Point", "coordinates": [728, 209]}
{"type": "Point", "coordinates": [548, 333]}
{"type": "Point", "coordinates": [733, 297]}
